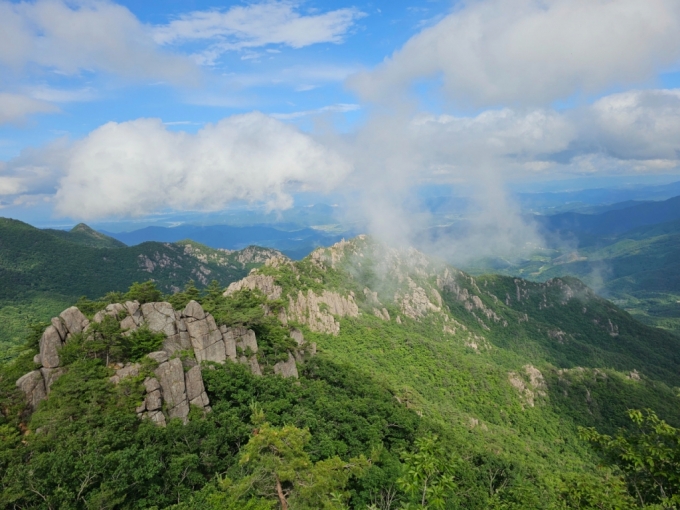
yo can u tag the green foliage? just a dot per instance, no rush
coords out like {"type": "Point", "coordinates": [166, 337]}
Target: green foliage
{"type": "Point", "coordinates": [584, 491]}
{"type": "Point", "coordinates": [428, 475]}
{"type": "Point", "coordinates": [141, 342]}
{"type": "Point", "coordinates": [648, 455]}
{"type": "Point", "coordinates": [144, 292]}
{"type": "Point", "coordinates": [179, 300]}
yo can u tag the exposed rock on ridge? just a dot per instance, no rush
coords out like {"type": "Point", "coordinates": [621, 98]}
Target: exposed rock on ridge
{"type": "Point", "coordinates": [171, 388]}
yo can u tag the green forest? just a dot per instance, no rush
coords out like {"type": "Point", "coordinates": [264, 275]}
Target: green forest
{"type": "Point", "coordinates": [430, 388]}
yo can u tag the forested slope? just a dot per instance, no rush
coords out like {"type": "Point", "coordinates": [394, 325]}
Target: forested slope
{"type": "Point", "coordinates": [429, 389]}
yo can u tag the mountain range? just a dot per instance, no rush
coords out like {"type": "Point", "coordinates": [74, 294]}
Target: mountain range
{"type": "Point", "coordinates": [362, 361]}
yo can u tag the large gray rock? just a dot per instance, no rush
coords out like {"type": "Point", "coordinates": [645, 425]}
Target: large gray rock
{"type": "Point", "coordinates": [194, 311]}
{"type": "Point", "coordinates": [160, 317]}
{"type": "Point", "coordinates": [128, 325]}
{"type": "Point", "coordinates": [181, 410]}
{"type": "Point", "coordinates": [115, 310]}
{"type": "Point", "coordinates": [151, 384]}
{"type": "Point", "coordinates": [196, 394]}
{"type": "Point", "coordinates": [50, 375]}
{"type": "Point", "coordinates": [159, 356]}
{"type": "Point", "coordinates": [171, 377]}
{"type": "Point", "coordinates": [177, 342]}
{"type": "Point", "coordinates": [229, 342]}
{"type": "Point", "coordinates": [214, 352]}
{"type": "Point", "coordinates": [158, 418]}
{"type": "Point", "coordinates": [153, 401]}
{"type": "Point", "coordinates": [33, 386]}
{"type": "Point", "coordinates": [134, 310]}
{"type": "Point", "coordinates": [242, 338]}
{"type": "Point", "coordinates": [205, 338]}
{"type": "Point", "coordinates": [297, 335]}
{"type": "Point", "coordinates": [50, 343]}
{"type": "Point", "coordinates": [59, 326]}
{"type": "Point", "coordinates": [74, 320]}
{"type": "Point", "coordinates": [287, 368]}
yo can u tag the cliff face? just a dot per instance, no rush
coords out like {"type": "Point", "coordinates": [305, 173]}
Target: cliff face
{"type": "Point", "coordinates": [175, 382]}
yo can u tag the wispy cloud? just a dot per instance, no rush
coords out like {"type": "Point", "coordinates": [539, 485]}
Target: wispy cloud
{"type": "Point", "coordinates": [257, 25]}
{"type": "Point", "coordinates": [15, 107]}
{"type": "Point", "coordinates": [335, 108]}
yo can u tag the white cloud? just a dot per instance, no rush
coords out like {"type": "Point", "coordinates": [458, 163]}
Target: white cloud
{"type": "Point", "coordinates": [639, 125]}
{"type": "Point", "coordinates": [14, 107]}
{"type": "Point", "coordinates": [334, 108]}
{"type": "Point", "coordinates": [90, 35]}
{"type": "Point", "coordinates": [139, 167]}
{"type": "Point", "coordinates": [256, 25]}
{"type": "Point", "coordinates": [55, 95]}
{"type": "Point", "coordinates": [532, 52]}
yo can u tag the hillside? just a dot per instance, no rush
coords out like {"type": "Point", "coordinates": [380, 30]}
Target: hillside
{"type": "Point", "coordinates": [629, 255]}
{"type": "Point", "coordinates": [349, 366]}
{"type": "Point", "coordinates": [41, 272]}
{"type": "Point", "coordinates": [82, 234]}
{"type": "Point", "coordinates": [596, 229]}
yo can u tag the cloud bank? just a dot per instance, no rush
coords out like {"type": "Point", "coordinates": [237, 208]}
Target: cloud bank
{"type": "Point", "coordinates": [139, 167]}
{"type": "Point", "coordinates": [533, 52]}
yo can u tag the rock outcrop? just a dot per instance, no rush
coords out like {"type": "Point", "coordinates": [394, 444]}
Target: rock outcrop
{"type": "Point", "coordinates": [263, 283]}
{"type": "Point", "coordinates": [177, 382]}
{"type": "Point", "coordinates": [318, 311]}
{"type": "Point", "coordinates": [33, 386]}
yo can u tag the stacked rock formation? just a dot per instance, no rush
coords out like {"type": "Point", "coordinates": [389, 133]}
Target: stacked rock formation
{"type": "Point", "coordinates": [36, 384]}
{"type": "Point", "coordinates": [178, 383]}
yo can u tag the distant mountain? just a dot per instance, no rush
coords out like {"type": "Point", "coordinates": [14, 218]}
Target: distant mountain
{"type": "Point", "coordinates": [630, 255]}
{"type": "Point", "coordinates": [83, 234]}
{"type": "Point", "coordinates": [296, 244]}
{"type": "Point", "coordinates": [594, 228]}
{"type": "Point", "coordinates": [570, 200]}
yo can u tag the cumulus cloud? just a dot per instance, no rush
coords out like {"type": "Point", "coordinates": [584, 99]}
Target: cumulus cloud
{"type": "Point", "coordinates": [15, 107]}
{"type": "Point", "coordinates": [532, 52]}
{"type": "Point", "coordinates": [139, 167]}
{"type": "Point", "coordinates": [92, 35]}
{"type": "Point", "coordinates": [256, 25]}
{"type": "Point", "coordinates": [637, 125]}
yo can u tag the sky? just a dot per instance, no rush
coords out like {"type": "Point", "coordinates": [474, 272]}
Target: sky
{"type": "Point", "coordinates": [111, 111]}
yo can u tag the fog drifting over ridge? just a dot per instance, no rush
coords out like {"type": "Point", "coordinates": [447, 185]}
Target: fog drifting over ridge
{"type": "Point", "coordinates": [511, 58]}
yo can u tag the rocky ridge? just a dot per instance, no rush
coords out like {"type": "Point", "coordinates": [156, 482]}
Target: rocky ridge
{"type": "Point", "coordinates": [191, 337]}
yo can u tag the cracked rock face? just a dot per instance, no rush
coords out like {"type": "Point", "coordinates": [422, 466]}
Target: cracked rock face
{"type": "Point", "coordinates": [160, 317]}
{"type": "Point", "coordinates": [318, 312]}
{"type": "Point", "coordinates": [171, 377]}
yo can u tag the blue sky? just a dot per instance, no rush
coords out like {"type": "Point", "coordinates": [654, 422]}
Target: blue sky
{"type": "Point", "coordinates": [118, 110]}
